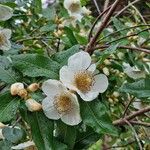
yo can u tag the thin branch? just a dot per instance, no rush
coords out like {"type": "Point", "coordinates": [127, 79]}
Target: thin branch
{"type": "Point", "coordinates": [97, 7]}
{"type": "Point", "coordinates": [102, 26]}
{"type": "Point", "coordinates": [145, 124]}
{"type": "Point", "coordinates": [48, 53]}
{"type": "Point", "coordinates": [126, 7]}
{"type": "Point", "coordinates": [130, 117]}
{"type": "Point", "coordinates": [95, 22]}
{"type": "Point", "coordinates": [126, 109]}
{"type": "Point", "coordinates": [106, 4]}
{"type": "Point", "coordinates": [125, 47]}
{"type": "Point", "coordinates": [135, 134]}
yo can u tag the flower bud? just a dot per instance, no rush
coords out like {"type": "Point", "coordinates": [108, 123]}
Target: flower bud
{"type": "Point", "coordinates": [111, 100]}
{"type": "Point", "coordinates": [33, 87]}
{"type": "Point", "coordinates": [33, 105]}
{"type": "Point", "coordinates": [107, 62]}
{"type": "Point", "coordinates": [16, 87]}
{"type": "Point", "coordinates": [23, 93]}
{"type": "Point", "coordinates": [120, 55]}
{"type": "Point", "coordinates": [116, 94]}
{"type": "Point", "coordinates": [106, 71]}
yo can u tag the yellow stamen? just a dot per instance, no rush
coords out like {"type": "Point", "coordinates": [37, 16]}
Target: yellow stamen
{"type": "Point", "coordinates": [63, 103]}
{"type": "Point", "coordinates": [74, 7]}
{"type": "Point", "coordinates": [83, 81]}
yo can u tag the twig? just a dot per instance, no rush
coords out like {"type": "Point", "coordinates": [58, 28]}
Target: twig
{"type": "Point", "coordinates": [16, 122]}
{"type": "Point", "coordinates": [95, 22]}
{"type": "Point", "coordinates": [48, 53]}
{"type": "Point", "coordinates": [145, 124]}
{"type": "Point", "coordinates": [135, 134]}
{"type": "Point", "coordinates": [126, 7]}
{"type": "Point", "coordinates": [97, 7]}
{"type": "Point", "coordinates": [102, 26]}
{"type": "Point", "coordinates": [126, 109]}
{"type": "Point", "coordinates": [130, 117]}
{"type": "Point", "coordinates": [106, 4]}
{"type": "Point", "coordinates": [125, 47]}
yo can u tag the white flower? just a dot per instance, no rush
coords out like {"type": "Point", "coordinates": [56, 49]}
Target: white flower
{"type": "Point", "coordinates": [5, 12]}
{"type": "Point", "coordinates": [16, 87]}
{"type": "Point", "coordinates": [60, 103]}
{"type": "Point", "coordinates": [24, 145]}
{"type": "Point", "coordinates": [33, 105]}
{"type": "Point", "coordinates": [86, 11]}
{"type": "Point", "coordinates": [133, 72]}
{"type": "Point", "coordinates": [46, 3]}
{"type": "Point", "coordinates": [79, 76]}
{"type": "Point", "coordinates": [5, 35]}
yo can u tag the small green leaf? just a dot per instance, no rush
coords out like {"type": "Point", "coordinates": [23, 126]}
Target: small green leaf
{"type": "Point", "coordinates": [62, 57]}
{"type": "Point", "coordinates": [34, 65]}
{"type": "Point", "coordinates": [95, 114]}
{"type": "Point", "coordinates": [140, 89]}
{"type": "Point", "coordinates": [14, 135]}
{"type": "Point", "coordinates": [5, 145]}
{"type": "Point", "coordinates": [8, 106]}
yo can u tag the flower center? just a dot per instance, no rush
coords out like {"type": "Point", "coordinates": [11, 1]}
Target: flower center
{"type": "Point", "coordinates": [2, 39]}
{"type": "Point", "coordinates": [62, 103]}
{"type": "Point", "coordinates": [74, 7]}
{"type": "Point", "coordinates": [84, 81]}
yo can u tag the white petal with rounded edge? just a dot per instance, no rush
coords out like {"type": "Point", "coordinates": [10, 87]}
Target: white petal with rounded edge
{"type": "Point", "coordinates": [89, 96]}
{"type": "Point", "coordinates": [67, 77]}
{"type": "Point", "coordinates": [5, 12]}
{"type": "Point", "coordinates": [52, 87]}
{"type": "Point", "coordinates": [73, 117]}
{"type": "Point", "coordinates": [7, 33]}
{"type": "Point", "coordinates": [6, 46]}
{"type": "Point", "coordinates": [101, 83]}
{"type": "Point", "coordinates": [49, 109]}
{"type": "Point", "coordinates": [92, 68]}
{"type": "Point", "coordinates": [79, 61]}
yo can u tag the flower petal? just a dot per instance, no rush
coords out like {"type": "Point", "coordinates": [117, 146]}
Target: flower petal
{"type": "Point", "coordinates": [89, 96]}
{"type": "Point", "coordinates": [7, 33]}
{"type": "Point", "coordinates": [92, 68]}
{"type": "Point", "coordinates": [79, 61]}
{"type": "Point", "coordinates": [67, 77]}
{"type": "Point", "coordinates": [73, 117]}
{"type": "Point", "coordinates": [101, 83]}
{"type": "Point", "coordinates": [52, 87]}
{"type": "Point", "coordinates": [49, 109]}
{"type": "Point", "coordinates": [5, 12]}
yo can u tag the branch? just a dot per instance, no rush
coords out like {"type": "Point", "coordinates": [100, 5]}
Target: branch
{"type": "Point", "coordinates": [122, 121]}
{"type": "Point", "coordinates": [102, 26]}
{"type": "Point", "coordinates": [97, 7]}
{"type": "Point", "coordinates": [125, 47]}
{"type": "Point", "coordinates": [145, 124]}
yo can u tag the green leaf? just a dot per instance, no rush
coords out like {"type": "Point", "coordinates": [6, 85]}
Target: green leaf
{"type": "Point", "coordinates": [34, 65]}
{"type": "Point", "coordinates": [8, 106]}
{"type": "Point", "coordinates": [66, 134]}
{"type": "Point", "coordinates": [37, 4]}
{"type": "Point", "coordinates": [95, 114]}
{"type": "Point", "coordinates": [49, 13]}
{"type": "Point", "coordinates": [140, 89]}
{"type": "Point", "coordinates": [14, 135]}
{"type": "Point", "coordinates": [70, 36]}
{"type": "Point", "coordinates": [86, 138]}
{"type": "Point", "coordinates": [42, 130]}
{"type": "Point", "coordinates": [5, 145]}
{"type": "Point", "coordinates": [6, 75]}
{"type": "Point", "coordinates": [62, 57]}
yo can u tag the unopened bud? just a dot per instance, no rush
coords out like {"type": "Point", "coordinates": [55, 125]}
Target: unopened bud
{"type": "Point", "coordinates": [33, 105]}
{"type": "Point", "coordinates": [111, 100]}
{"type": "Point", "coordinates": [23, 93]}
{"type": "Point", "coordinates": [16, 87]}
{"type": "Point", "coordinates": [106, 71]}
{"type": "Point", "coordinates": [116, 94]}
{"type": "Point", "coordinates": [120, 55]}
{"type": "Point", "coordinates": [107, 62]}
{"type": "Point", "coordinates": [33, 87]}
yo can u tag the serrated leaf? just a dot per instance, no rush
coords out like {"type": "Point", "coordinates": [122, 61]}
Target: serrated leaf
{"type": "Point", "coordinates": [95, 114]}
{"type": "Point", "coordinates": [62, 57]}
{"type": "Point", "coordinates": [8, 106]}
{"type": "Point", "coordinates": [34, 65]}
{"type": "Point", "coordinates": [42, 130]}
{"type": "Point", "coordinates": [140, 89]}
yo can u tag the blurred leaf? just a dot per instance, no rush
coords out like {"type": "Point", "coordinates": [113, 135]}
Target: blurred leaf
{"type": "Point", "coordinates": [34, 65]}
{"type": "Point", "coordinates": [37, 4]}
{"type": "Point", "coordinates": [8, 106]}
{"type": "Point", "coordinates": [49, 13]}
{"type": "Point", "coordinates": [5, 145]}
{"type": "Point", "coordinates": [66, 134]}
{"type": "Point", "coordinates": [140, 89]}
{"type": "Point", "coordinates": [95, 114]}
{"type": "Point", "coordinates": [70, 36]}
{"type": "Point", "coordinates": [47, 28]}
{"type": "Point", "coordinates": [42, 130]}
{"type": "Point", "coordinates": [62, 57]}
{"type": "Point", "coordinates": [14, 135]}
